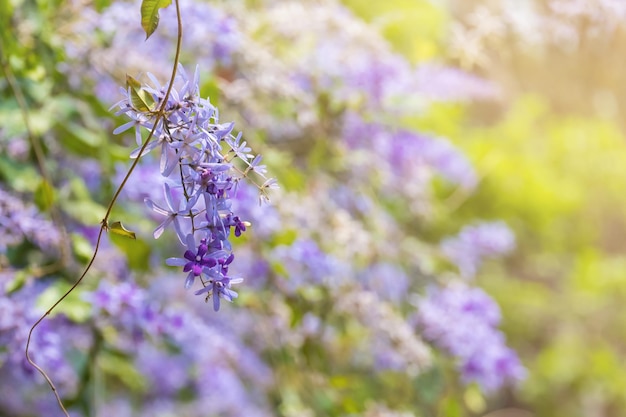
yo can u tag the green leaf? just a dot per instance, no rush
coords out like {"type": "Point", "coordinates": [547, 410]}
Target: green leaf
{"type": "Point", "coordinates": [139, 97]}
{"type": "Point", "coordinates": [19, 279]}
{"type": "Point", "coordinates": [137, 251]}
{"type": "Point", "coordinates": [119, 366]}
{"type": "Point", "coordinates": [44, 195]}
{"type": "Point", "coordinates": [20, 177]}
{"type": "Point", "coordinates": [119, 229]}
{"type": "Point", "coordinates": [85, 211]}
{"type": "Point", "coordinates": [150, 14]}
{"type": "Point", "coordinates": [73, 306]}
{"type": "Point", "coordinates": [450, 407]}
{"type": "Point", "coordinates": [81, 246]}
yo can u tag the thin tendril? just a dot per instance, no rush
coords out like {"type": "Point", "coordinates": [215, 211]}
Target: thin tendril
{"type": "Point", "coordinates": [104, 223]}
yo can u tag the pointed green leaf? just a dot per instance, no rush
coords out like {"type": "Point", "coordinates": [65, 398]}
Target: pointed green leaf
{"type": "Point", "coordinates": [119, 229]}
{"type": "Point", "coordinates": [119, 366]}
{"type": "Point", "coordinates": [44, 195]}
{"type": "Point", "coordinates": [140, 98]}
{"type": "Point", "coordinates": [150, 14]}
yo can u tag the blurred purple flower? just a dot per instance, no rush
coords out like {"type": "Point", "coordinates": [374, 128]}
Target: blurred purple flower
{"type": "Point", "coordinates": [264, 218]}
{"type": "Point", "coordinates": [303, 263]}
{"type": "Point", "coordinates": [476, 242]}
{"type": "Point", "coordinates": [19, 221]}
{"type": "Point", "coordinates": [387, 280]}
{"type": "Point", "coordinates": [440, 83]}
{"type": "Point", "coordinates": [143, 183]}
{"type": "Point", "coordinates": [407, 154]}
{"type": "Point", "coordinates": [50, 347]}
{"type": "Point", "coordinates": [463, 321]}
{"type": "Point", "coordinates": [188, 354]}
{"type": "Point", "coordinates": [100, 52]}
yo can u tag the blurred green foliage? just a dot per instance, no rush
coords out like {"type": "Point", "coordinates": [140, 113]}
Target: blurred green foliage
{"type": "Point", "coordinates": [558, 182]}
{"type": "Point", "coordinates": [557, 176]}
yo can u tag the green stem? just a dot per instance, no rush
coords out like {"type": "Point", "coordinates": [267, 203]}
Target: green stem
{"type": "Point", "coordinates": [104, 223]}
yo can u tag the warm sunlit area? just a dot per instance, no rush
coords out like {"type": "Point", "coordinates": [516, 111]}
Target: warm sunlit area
{"type": "Point", "coordinates": [401, 208]}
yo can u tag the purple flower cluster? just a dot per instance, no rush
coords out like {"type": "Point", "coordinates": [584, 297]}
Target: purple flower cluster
{"type": "Point", "coordinates": [19, 221]}
{"type": "Point", "coordinates": [463, 321]}
{"type": "Point", "coordinates": [127, 305]}
{"type": "Point", "coordinates": [358, 67]}
{"type": "Point", "coordinates": [440, 83]}
{"type": "Point", "coordinates": [50, 347]}
{"type": "Point", "coordinates": [211, 37]}
{"type": "Point", "coordinates": [204, 162]}
{"type": "Point", "coordinates": [387, 280]}
{"type": "Point", "coordinates": [407, 154]}
{"type": "Point", "coordinates": [163, 343]}
{"type": "Point", "coordinates": [304, 263]}
{"type": "Point", "coordinates": [391, 341]}
{"type": "Point", "coordinates": [476, 242]}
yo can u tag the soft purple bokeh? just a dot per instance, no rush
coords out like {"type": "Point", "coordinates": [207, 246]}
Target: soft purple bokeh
{"type": "Point", "coordinates": [211, 37]}
{"type": "Point", "coordinates": [304, 263]}
{"type": "Point", "coordinates": [476, 242]}
{"type": "Point", "coordinates": [19, 221]}
{"type": "Point", "coordinates": [176, 351]}
{"type": "Point", "coordinates": [463, 321]}
{"type": "Point", "coordinates": [406, 154]}
{"type": "Point", "coordinates": [387, 280]}
{"type": "Point", "coordinates": [51, 345]}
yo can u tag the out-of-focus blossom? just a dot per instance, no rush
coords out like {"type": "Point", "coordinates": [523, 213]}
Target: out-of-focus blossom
{"type": "Point", "coordinates": [143, 184]}
{"type": "Point", "coordinates": [387, 280]}
{"type": "Point", "coordinates": [19, 221]}
{"type": "Point", "coordinates": [463, 321]}
{"type": "Point", "coordinates": [50, 347]}
{"type": "Point", "coordinates": [208, 30]}
{"type": "Point", "coordinates": [392, 341]}
{"type": "Point", "coordinates": [264, 218]}
{"type": "Point", "coordinates": [407, 154]}
{"type": "Point", "coordinates": [304, 263]}
{"type": "Point", "coordinates": [474, 243]}
{"type": "Point", "coordinates": [176, 352]}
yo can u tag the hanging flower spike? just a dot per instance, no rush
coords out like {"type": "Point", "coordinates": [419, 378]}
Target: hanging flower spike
{"type": "Point", "coordinates": [204, 152]}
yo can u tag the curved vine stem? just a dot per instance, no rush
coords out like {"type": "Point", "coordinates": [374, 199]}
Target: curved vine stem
{"type": "Point", "coordinates": [105, 221]}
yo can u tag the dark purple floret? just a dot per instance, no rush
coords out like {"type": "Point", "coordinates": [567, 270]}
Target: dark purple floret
{"type": "Point", "coordinates": [198, 261]}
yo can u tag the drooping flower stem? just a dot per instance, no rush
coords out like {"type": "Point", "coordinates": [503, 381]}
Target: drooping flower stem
{"type": "Point", "coordinates": [104, 223]}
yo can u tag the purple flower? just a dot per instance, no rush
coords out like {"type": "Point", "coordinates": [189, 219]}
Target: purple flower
{"type": "Point", "coordinates": [194, 260]}
{"type": "Point", "coordinates": [389, 281]}
{"type": "Point", "coordinates": [201, 149]}
{"type": "Point", "coordinates": [220, 288]}
{"type": "Point", "coordinates": [462, 320]}
{"type": "Point", "coordinates": [408, 154]}
{"type": "Point", "coordinates": [476, 242]}
{"type": "Point", "coordinates": [304, 263]}
{"type": "Point", "coordinates": [172, 214]}
{"type": "Point", "coordinates": [19, 221]}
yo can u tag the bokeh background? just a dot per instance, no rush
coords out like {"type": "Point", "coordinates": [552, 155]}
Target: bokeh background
{"type": "Point", "coordinates": [460, 147]}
